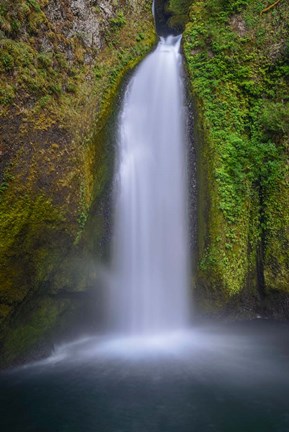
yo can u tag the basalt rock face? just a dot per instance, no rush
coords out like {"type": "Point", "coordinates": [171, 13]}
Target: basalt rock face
{"type": "Point", "coordinates": [172, 15]}
{"type": "Point", "coordinates": [238, 64]}
{"type": "Point", "coordinates": [61, 64]}
{"type": "Point", "coordinates": [79, 18]}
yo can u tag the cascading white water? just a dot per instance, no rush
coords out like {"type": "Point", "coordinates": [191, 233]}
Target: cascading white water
{"type": "Point", "coordinates": [150, 248]}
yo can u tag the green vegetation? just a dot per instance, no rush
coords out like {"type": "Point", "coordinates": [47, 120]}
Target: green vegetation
{"type": "Point", "coordinates": [237, 60]}
{"type": "Point", "coordinates": [27, 336]}
{"type": "Point", "coordinates": [56, 95]}
{"type": "Point", "coordinates": [178, 12]}
{"type": "Point", "coordinates": [172, 14]}
{"type": "Point", "coordinates": [118, 21]}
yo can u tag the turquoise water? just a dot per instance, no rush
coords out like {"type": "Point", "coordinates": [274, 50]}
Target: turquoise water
{"type": "Point", "coordinates": [214, 378]}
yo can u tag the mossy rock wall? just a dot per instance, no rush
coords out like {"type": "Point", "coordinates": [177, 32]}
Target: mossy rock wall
{"type": "Point", "coordinates": [61, 65]}
{"type": "Point", "coordinates": [237, 57]}
{"type": "Point", "coordinates": [172, 15]}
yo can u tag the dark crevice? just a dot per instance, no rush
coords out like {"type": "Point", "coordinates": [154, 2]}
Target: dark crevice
{"type": "Point", "coordinates": [261, 286]}
{"type": "Point", "coordinates": [169, 21]}
{"type": "Point", "coordinates": [161, 18]}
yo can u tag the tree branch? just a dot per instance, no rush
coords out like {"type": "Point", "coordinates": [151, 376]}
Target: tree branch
{"type": "Point", "coordinates": [270, 7]}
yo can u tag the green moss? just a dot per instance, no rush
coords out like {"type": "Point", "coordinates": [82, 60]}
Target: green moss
{"type": "Point", "coordinates": [178, 7]}
{"type": "Point", "coordinates": [59, 105]}
{"type": "Point", "coordinates": [7, 94]}
{"type": "Point", "coordinates": [25, 336]}
{"type": "Point", "coordinates": [118, 21]}
{"type": "Point", "coordinates": [175, 13]}
{"type": "Point", "coordinates": [239, 79]}
{"type": "Point", "coordinates": [26, 223]}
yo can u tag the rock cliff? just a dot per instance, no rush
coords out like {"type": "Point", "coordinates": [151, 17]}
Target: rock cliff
{"type": "Point", "coordinates": [61, 62]}
{"type": "Point", "coordinates": [238, 63]}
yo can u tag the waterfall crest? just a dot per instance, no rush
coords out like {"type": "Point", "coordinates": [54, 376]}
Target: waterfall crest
{"type": "Point", "coordinates": [150, 245]}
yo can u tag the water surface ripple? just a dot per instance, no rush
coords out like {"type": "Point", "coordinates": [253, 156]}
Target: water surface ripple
{"type": "Point", "coordinates": [214, 378]}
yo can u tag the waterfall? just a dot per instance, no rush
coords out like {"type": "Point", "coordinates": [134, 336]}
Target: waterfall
{"type": "Point", "coordinates": [150, 245]}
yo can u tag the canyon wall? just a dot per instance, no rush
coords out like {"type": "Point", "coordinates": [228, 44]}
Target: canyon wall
{"type": "Point", "coordinates": [61, 65]}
